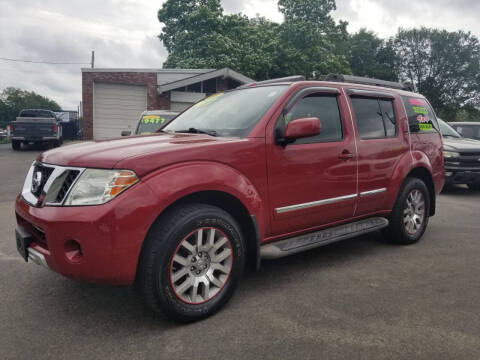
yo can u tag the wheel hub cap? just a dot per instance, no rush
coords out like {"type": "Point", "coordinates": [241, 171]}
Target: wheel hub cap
{"type": "Point", "coordinates": [201, 265]}
{"type": "Point", "coordinates": [414, 212]}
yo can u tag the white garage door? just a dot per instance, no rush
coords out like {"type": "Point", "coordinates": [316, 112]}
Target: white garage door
{"type": "Point", "coordinates": [116, 108]}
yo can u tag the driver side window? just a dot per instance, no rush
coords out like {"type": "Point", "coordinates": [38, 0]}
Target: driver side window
{"type": "Point", "coordinates": [324, 107]}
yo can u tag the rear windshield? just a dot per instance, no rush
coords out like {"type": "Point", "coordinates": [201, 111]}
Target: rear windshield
{"type": "Point", "coordinates": [151, 123]}
{"type": "Point", "coordinates": [421, 117]}
{"type": "Point", "coordinates": [36, 114]}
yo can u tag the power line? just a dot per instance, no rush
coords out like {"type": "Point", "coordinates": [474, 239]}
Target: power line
{"type": "Point", "coordinates": [43, 62]}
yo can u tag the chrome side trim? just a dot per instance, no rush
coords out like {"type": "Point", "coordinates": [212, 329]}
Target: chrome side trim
{"type": "Point", "coordinates": [373, 192]}
{"type": "Point", "coordinates": [314, 203]}
{"type": "Point", "coordinates": [37, 258]}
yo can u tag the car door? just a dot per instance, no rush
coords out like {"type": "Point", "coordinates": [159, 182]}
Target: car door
{"type": "Point", "coordinates": [380, 146]}
{"type": "Point", "coordinates": [312, 182]}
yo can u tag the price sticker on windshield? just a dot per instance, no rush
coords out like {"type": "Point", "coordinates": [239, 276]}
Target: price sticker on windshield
{"type": "Point", "coordinates": [153, 119]}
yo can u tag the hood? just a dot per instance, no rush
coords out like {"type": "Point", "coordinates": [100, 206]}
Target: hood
{"type": "Point", "coordinates": [461, 144]}
{"type": "Point", "coordinates": [106, 154]}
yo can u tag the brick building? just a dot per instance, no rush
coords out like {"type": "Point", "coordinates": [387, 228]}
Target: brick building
{"type": "Point", "coordinates": [113, 99]}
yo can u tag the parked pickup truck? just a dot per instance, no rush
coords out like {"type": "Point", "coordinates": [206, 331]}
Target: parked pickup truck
{"type": "Point", "coordinates": [35, 126]}
{"type": "Point", "coordinates": [266, 170]}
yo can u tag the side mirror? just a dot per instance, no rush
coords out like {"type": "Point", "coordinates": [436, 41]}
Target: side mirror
{"type": "Point", "coordinates": [126, 133]}
{"type": "Point", "coordinates": [301, 128]}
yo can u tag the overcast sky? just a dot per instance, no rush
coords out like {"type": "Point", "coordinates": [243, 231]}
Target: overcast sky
{"type": "Point", "coordinates": [123, 33]}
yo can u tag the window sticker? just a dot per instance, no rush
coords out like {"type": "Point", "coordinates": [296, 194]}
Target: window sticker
{"type": "Point", "coordinates": [209, 99]}
{"type": "Point", "coordinates": [422, 115]}
{"type": "Point", "coordinates": [153, 119]}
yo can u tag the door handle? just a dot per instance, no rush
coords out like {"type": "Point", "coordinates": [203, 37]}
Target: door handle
{"type": "Point", "coordinates": [345, 155]}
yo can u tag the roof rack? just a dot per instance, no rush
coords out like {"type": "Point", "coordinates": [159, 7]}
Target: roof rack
{"type": "Point", "coordinates": [274, 81]}
{"type": "Point", "coordinates": [369, 81]}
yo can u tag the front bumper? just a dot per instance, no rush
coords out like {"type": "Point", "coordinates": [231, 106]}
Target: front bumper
{"type": "Point", "coordinates": [461, 176]}
{"type": "Point", "coordinates": [110, 236]}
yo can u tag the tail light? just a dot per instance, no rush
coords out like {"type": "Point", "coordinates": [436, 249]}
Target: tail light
{"type": "Point", "coordinates": [11, 127]}
{"type": "Point", "coordinates": [54, 128]}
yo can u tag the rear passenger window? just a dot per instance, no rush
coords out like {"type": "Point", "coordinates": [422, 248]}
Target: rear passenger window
{"type": "Point", "coordinates": [324, 107]}
{"type": "Point", "coordinates": [375, 117]}
{"type": "Point", "coordinates": [421, 117]}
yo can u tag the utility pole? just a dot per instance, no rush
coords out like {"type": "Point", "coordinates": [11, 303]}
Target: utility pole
{"type": "Point", "coordinates": [93, 59]}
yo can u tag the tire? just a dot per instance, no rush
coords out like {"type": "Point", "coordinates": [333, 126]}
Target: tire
{"type": "Point", "coordinates": [16, 145]}
{"type": "Point", "coordinates": [56, 143]}
{"type": "Point", "coordinates": [407, 223]}
{"type": "Point", "coordinates": [168, 286]}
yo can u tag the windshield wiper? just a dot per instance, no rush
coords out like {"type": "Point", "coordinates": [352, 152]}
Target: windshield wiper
{"type": "Point", "coordinates": [452, 136]}
{"type": "Point", "coordinates": [198, 131]}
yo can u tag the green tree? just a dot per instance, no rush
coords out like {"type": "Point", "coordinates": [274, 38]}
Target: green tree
{"type": "Point", "coordinates": [197, 34]}
{"type": "Point", "coordinates": [445, 66]}
{"type": "Point", "coordinates": [371, 56]}
{"type": "Point", "coordinates": [311, 41]}
{"type": "Point", "coordinates": [12, 100]}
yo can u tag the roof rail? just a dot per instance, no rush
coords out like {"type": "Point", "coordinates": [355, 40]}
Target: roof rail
{"type": "Point", "coordinates": [369, 81]}
{"type": "Point", "coordinates": [277, 80]}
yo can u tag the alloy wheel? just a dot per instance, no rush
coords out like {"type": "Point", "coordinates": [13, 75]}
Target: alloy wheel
{"type": "Point", "coordinates": [201, 265]}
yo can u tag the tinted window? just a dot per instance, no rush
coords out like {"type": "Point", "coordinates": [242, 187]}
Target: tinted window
{"type": "Point", "coordinates": [388, 114]}
{"type": "Point", "coordinates": [369, 118]}
{"type": "Point", "coordinates": [420, 115]}
{"type": "Point", "coordinates": [324, 107]}
{"type": "Point", "coordinates": [36, 114]}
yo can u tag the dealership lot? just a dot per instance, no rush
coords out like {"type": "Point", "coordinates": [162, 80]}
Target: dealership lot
{"type": "Point", "coordinates": [361, 298]}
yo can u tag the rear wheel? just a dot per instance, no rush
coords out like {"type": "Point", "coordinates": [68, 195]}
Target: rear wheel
{"type": "Point", "coordinates": [410, 214]}
{"type": "Point", "coordinates": [191, 262]}
{"type": "Point", "coordinates": [16, 145]}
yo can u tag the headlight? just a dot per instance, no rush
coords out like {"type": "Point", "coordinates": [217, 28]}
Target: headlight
{"type": "Point", "coordinates": [95, 187]}
{"type": "Point", "coordinates": [450, 154]}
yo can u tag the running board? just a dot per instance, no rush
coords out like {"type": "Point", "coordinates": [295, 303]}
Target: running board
{"type": "Point", "coordinates": [304, 242]}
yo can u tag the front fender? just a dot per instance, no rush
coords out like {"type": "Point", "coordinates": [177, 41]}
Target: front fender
{"type": "Point", "coordinates": [177, 181]}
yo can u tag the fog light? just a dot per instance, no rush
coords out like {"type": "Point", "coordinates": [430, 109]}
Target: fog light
{"type": "Point", "coordinates": [73, 251]}
{"type": "Point", "coordinates": [448, 174]}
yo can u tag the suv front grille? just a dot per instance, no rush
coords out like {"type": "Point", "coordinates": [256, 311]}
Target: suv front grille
{"type": "Point", "coordinates": [470, 160]}
{"type": "Point", "coordinates": [48, 184]}
{"type": "Point", "coordinates": [67, 184]}
{"type": "Point", "coordinates": [40, 176]}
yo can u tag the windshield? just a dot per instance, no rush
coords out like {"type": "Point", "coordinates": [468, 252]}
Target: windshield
{"type": "Point", "coordinates": [447, 130]}
{"type": "Point", "coordinates": [468, 131]}
{"type": "Point", "coordinates": [151, 123]}
{"type": "Point", "coordinates": [234, 113]}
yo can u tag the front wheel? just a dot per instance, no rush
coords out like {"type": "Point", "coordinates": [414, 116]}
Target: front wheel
{"type": "Point", "coordinates": [410, 214]}
{"type": "Point", "coordinates": [191, 263]}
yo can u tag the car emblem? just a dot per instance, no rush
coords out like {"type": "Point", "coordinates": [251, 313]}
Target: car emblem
{"type": "Point", "coordinates": [36, 181]}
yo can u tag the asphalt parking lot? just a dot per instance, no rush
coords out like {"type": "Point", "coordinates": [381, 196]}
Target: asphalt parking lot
{"type": "Point", "coordinates": [358, 299]}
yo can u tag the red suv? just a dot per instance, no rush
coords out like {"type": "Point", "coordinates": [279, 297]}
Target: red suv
{"type": "Point", "coordinates": [264, 171]}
